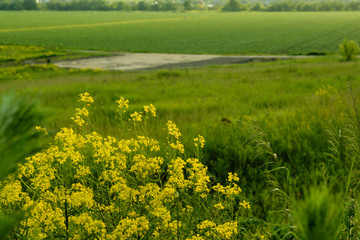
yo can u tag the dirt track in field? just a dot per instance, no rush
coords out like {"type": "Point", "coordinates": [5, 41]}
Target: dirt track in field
{"type": "Point", "coordinates": [142, 61]}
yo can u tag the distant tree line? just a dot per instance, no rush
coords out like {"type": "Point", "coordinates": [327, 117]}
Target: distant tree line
{"type": "Point", "coordinates": [167, 5]}
{"type": "Point", "coordinates": [102, 5]}
{"type": "Point", "coordinates": [288, 5]}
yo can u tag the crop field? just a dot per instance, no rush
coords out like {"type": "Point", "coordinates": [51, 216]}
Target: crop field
{"type": "Point", "coordinates": [188, 32]}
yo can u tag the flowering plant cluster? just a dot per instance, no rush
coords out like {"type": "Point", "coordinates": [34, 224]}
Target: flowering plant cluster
{"type": "Point", "coordinates": [87, 186]}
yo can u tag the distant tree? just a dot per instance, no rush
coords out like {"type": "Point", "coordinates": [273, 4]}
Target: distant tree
{"type": "Point", "coordinates": [143, 6]}
{"type": "Point", "coordinates": [258, 7]}
{"type": "Point", "coordinates": [171, 6]}
{"type": "Point", "coordinates": [280, 6]}
{"type": "Point", "coordinates": [353, 6]}
{"type": "Point", "coordinates": [233, 6]}
{"type": "Point", "coordinates": [157, 6]}
{"type": "Point", "coordinates": [187, 5]}
{"type": "Point", "coordinates": [16, 5]}
{"type": "Point", "coordinates": [338, 6]}
{"type": "Point", "coordinates": [121, 5]}
{"type": "Point", "coordinates": [30, 5]}
{"type": "Point", "coordinates": [54, 5]}
{"type": "Point", "coordinates": [5, 5]}
{"type": "Point", "coordinates": [98, 5]}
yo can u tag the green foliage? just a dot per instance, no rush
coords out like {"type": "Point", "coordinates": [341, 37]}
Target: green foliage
{"type": "Point", "coordinates": [234, 6]}
{"type": "Point", "coordinates": [319, 215]}
{"type": "Point", "coordinates": [349, 49]}
{"type": "Point", "coordinates": [30, 5]}
{"type": "Point", "coordinates": [283, 5]}
{"type": "Point", "coordinates": [18, 117]}
{"type": "Point", "coordinates": [187, 5]}
{"type": "Point", "coordinates": [143, 6]}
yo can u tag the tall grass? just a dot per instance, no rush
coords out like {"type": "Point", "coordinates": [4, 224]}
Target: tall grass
{"type": "Point", "coordinates": [275, 124]}
{"type": "Point", "coordinates": [319, 215]}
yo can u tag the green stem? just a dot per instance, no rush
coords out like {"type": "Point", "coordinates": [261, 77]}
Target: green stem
{"type": "Point", "coordinates": [349, 178]}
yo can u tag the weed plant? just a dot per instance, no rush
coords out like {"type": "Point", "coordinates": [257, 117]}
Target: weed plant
{"type": "Point", "coordinates": [349, 49]}
{"type": "Point", "coordinates": [86, 186]}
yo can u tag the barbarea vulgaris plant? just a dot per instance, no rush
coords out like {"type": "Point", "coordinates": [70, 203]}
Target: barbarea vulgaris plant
{"type": "Point", "coordinates": [87, 186]}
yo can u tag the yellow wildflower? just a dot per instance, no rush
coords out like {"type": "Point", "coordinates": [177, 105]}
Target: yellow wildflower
{"type": "Point", "coordinates": [41, 129]}
{"type": "Point", "coordinates": [129, 228]}
{"type": "Point", "coordinates": [149, 143]}
{"type": "Point", "coordinates": [86, 98]}
{"type": "Point", "coordinates": [199, 141]}
{"type": "Point", "coordinates": [136, 117]}
{"type": "Point", "coordinates": [122, 191]}
{"type": "Point", "coordinates": [78, 117]}
{"type": "Point", "coordinates": [12, 193]}
{"type": "Point", "coordinates": [245, 204]}
{"type": "Point", "coordinates": [123, 104]}
{"type": "Point", "coordinates": [232, 177]}
{"type": "Point", "coordinates": [82, 171]}
{"type": "Point", "coordinates": [173, 130]}
{"type": "Point", "coordinates": [150, 108]}
{"type": "Point", "coordinates": [197, 237]}
{"type": "Point", "coordinates": [89, 225]}
{"type": "Point", "coordinates": [178, 146]}
{"type": "Point", "coordinates": [146, 166]}
{"type": "Point", "coordinates": [176, 173]}
{"type": "Point", "coordinates": [219, 206]}
{"type": "Point", "coordinates": [81, 196]}
{"type": "Point", "coordinates": [197, 176]}
{"type": "Point", "coordinates": [44, 219]}
{"type": "Point", "coordinates": [232, 190]}
{"type": "Point", "coordinates": [227, 230]}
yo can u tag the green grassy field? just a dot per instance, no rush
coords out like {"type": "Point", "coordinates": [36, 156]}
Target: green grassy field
{"type": "Point", "coordinates": [294, 102]}
{"type": "Point", "coordinates": [282, 126]}
{"type": "Point", "coordinates": [192, 32]}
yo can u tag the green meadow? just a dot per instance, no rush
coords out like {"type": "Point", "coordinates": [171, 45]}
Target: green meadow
{"type": "Point", "coordinates": [187, 32]}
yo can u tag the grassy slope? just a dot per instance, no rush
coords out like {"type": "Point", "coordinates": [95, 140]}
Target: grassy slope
{"type": "Point", "coordinates": [233, 91]}
{"type": "Point", "coordinates": [201, 32]}
{"type": "Point", "coordinates": [292, 101]}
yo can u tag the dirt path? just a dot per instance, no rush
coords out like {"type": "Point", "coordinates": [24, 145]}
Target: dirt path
{"type": "Point", "coordinates": [141, 61]}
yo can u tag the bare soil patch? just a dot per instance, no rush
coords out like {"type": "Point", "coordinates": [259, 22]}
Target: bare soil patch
{"type": "Point", "coordinates": [142, 61]}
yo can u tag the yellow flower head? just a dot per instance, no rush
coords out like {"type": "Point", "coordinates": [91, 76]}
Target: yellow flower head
{"type": "Point", "coordinates": [245, 204]}
{"type": "Point", "coordinates": [173, 130]}
{"type": "Point", "coordinates": [41, 129]}
{"type": "Point", "coordinates": [219, 206]}
{"type": "Point", "coordinates": [136, 117]}
{"type": "Point", "coordinates": [150, 109]}
{"type": "Point", "coordinates": [123, 104]}
{"type": "Point", "coordinates": [80, 113]}
{"type": "Point", "coordinates": [178, 146]}
{"type": "Point", "coordinates": [199, 141]}
{"type": "Point", "coordinates": [233, 177]}
{"type": "Point", "coordinates": [86, 98]}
